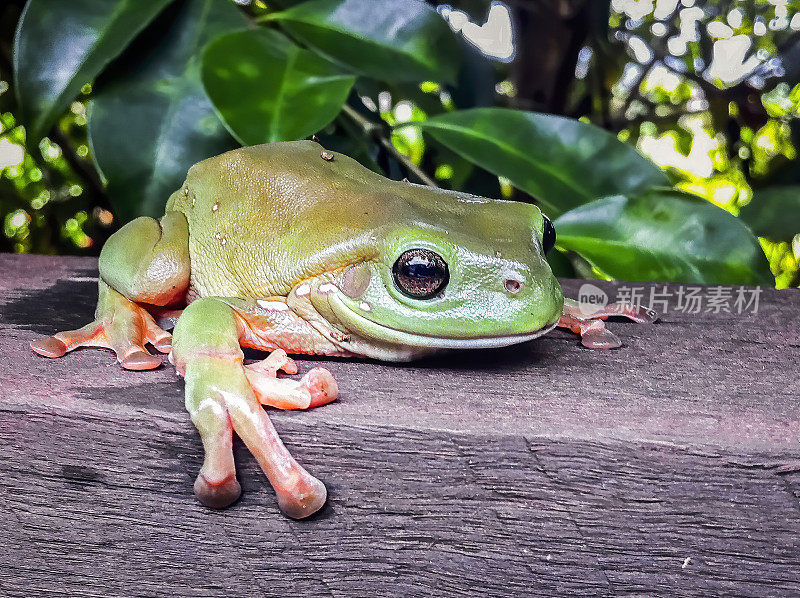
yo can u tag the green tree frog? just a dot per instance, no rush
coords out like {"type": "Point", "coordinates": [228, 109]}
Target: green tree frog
{"type": "Point", "coordinates": [289, 248]}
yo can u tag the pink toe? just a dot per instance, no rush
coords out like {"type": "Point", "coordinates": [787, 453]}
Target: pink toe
{"type": "Point", "coordinates": [164, 346]}
{"type": "Point", "coordinates": [600, 339]}
{"type": "Point", "coordinates": [139, 360]}
{"type": "Point", "coordinates": [49, 347]}
{"type": "Point", "coordinates": [303, 500]}
{"type": "Point", "coordinates": [321, 386]}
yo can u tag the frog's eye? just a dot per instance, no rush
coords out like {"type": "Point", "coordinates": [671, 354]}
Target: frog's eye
{"type": "Point", "coordinates": [420, 273]}
{"type": "Point", "coordinates": [549, 235]}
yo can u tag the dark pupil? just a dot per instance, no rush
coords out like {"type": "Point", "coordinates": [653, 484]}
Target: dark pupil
{"type": "Point", "coordinates": [420, 267]}
{"type": "Point", "coordinates": [420, 273]}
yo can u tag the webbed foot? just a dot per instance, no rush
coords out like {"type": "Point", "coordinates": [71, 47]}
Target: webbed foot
{"type": "Point", "coordinates": [588, 321]}
{"type": "Point", "coordinates": [120, 325]}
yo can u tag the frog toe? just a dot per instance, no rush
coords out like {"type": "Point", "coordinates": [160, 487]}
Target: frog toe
{"type": "Point", "coordinates": [154, 334]}
{"type": "Point", "coordinates": [321, 386]}
{"type": "Point", "coordinates": [140, 359]}
{"type": "Point", "coordinates": [217, 494]}
{"type": "Point", "coordinates": [636, 313]}
{"type": "Point", "coordinates": [62, 343]}
{"type": "Point", "coordinates": [49, 347]}
{"type": "Point", "coordinates": [597, 336]}
{"type": "Point", "coordinates": [303, 499]}
{"type": "Point", "coordinates": [164, 345]}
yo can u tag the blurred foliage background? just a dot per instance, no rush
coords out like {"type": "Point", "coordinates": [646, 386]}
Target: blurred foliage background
{"type": "Point", "coordinates": [708, 90]}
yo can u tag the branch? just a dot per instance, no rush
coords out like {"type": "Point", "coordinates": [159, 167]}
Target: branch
{"type": "Point", "coordinates": [379, 134]}
{"type": "Point", "coordinates": [634, 93]}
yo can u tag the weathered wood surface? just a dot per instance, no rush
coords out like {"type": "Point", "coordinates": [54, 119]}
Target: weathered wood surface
{"type": "Point", "coordinates": [668, 467]}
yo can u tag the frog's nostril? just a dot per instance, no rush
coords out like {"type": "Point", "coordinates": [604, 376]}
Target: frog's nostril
{"type": "Point", "coordinates": [512, 285]}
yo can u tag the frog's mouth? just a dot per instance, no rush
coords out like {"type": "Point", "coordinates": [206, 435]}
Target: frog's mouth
{"type": "Point", "coordinates": [362, 326]}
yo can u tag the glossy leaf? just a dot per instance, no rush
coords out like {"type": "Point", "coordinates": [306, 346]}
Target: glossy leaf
{"type": "Point", "coordinates": [152, 120]}
{"type": "Point", "coordinates": [60, 46]}
{"type": "Point", "coordinates": [774, 212]}
{"type": "Point", "coordinates": [664, 235]}
{"type": "Point", "coordinates": [561, 162]}
{"type": "Point", "coordinates": [384, 39]}
{"type": "Point", "coordinates": [560, 264]}
{"type": "Point", "coordinates": [266, 88]}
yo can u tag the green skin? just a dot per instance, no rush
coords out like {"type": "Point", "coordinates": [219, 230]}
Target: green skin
{"type": "Point", "coordinates": [288, 248]}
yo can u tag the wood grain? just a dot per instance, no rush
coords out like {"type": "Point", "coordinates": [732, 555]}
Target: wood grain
{"type": "Point", "coordinates": [668, 467]}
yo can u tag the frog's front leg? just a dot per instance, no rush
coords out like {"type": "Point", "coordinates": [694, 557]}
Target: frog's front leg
{"type": "Point", "coordinates": [146, 262]}
{"type": "Point", "coordinates": [224, 396]}
{"type": "Point", "coordinates": [588, 321]}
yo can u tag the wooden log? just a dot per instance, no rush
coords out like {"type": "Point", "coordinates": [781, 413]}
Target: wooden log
{"type": "Point", "coordinates": [668, 467]}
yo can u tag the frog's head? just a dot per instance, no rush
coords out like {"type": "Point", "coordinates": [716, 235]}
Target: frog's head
{"type": "Point", "coordinates": [456, 271]}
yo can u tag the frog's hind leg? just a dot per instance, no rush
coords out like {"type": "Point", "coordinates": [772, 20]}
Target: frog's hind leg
{"type": "Point", "coordinates": [219, 393]}
{"type": "Point", "coordinates": [589, 321]}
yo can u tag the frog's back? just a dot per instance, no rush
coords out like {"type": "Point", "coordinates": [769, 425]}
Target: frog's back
{"type": "Point", "coordinates": [261, 216]}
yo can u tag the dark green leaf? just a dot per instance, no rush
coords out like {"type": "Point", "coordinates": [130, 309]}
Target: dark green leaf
{"type": "Point", "coordinates": [266, 88]}
{"type": "Point", "coordinates": [385, 39]}
{"type": "Point", "coordinates": [560, 264]}
{"type": "Point", "coordinates": [561, 162]}
{"type": "Point", "coordinates": [152, 120]}
{"type": "Point", "coordinates": [60, 46]}
{"type": "Point", "coordinates": [774, 212]}
{"type": "Point", "coordinates": [664, 235]}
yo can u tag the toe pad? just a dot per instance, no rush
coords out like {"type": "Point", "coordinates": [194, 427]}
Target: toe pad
{"type": "Point", "coordinates": [49, 347]}
{"type": "Point", "coordinates": [139, 360]}
{"type": "Point", "coordinates": [301, 504]}
{"type": "Point", "coordinates": [217, 495]}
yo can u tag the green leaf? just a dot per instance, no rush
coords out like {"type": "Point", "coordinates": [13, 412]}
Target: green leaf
{"type": "Point", "coordinates": [774, 212]}
{"type": "Point", "coordinates": [561, 162]}
{"type": "Point", "coordinates": [266, 88]}
{"type": "Point", "coordinates": [664, 235]}
{"type": "Point", "coordinates": [60, 46]}
{"type": "Point", "coordinates": [152, 120]}
{"type": "Point", "coordinates": [560, 264]}
{"type": "Point", "coordinates": [384, 39]}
